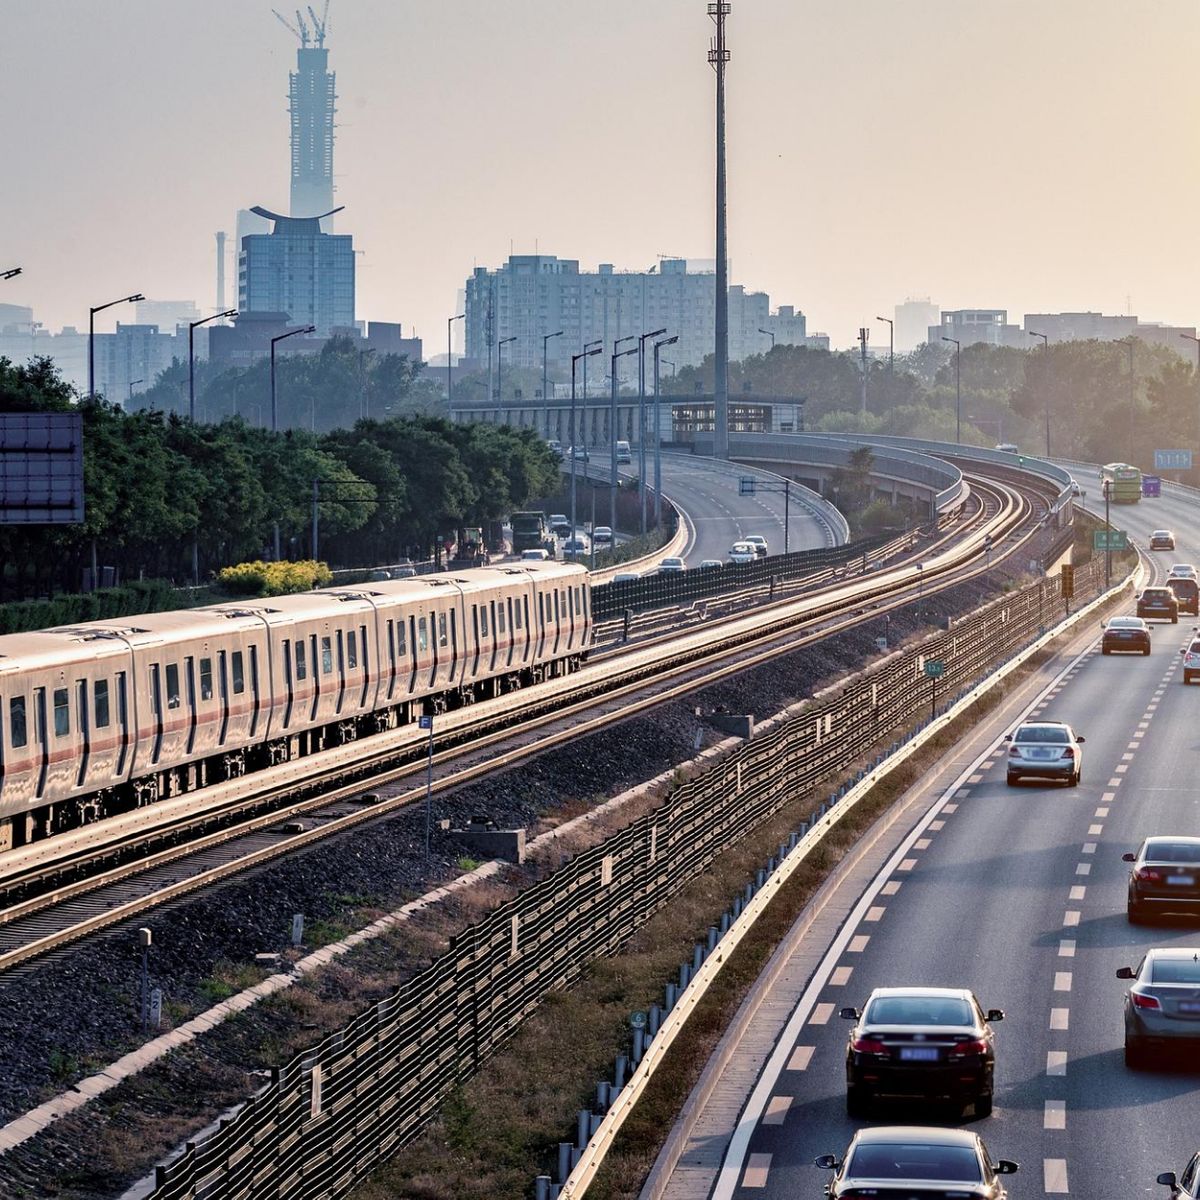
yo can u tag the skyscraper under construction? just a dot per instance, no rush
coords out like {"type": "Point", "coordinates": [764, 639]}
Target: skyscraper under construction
{"type": "Point", "coordinates": [311, 99]}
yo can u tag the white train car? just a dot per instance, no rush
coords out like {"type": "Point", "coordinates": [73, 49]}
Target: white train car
{"type": "Point", "coordinates": [107, 716]}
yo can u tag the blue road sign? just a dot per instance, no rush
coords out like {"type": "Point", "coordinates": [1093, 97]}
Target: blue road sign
{"type": "Point", "coordinates": [1151, 485]}
{"type": "Point", "coordinates": [425, 722]}
{"type": "Point", "coordinates": [1172, 460]}
{"type": "Point", "coordinates": [746, 486]}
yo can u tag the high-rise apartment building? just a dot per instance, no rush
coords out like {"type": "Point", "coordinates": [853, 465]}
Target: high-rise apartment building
{"type": "Point", "coordinates": [912, 321]}
{"type": "Point", "coordinates": [532, 295]}
{"type": "Point", "coordinates": [298, 270]}
{"type": "Point", "coordinates": [311, 98]}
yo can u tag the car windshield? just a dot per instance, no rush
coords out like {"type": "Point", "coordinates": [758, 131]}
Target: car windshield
{"type": "Point", "coordinates": [906, 1160]}
{"type": "Point", "coordinates": [1042, 733]}
{"type": "Point", "coordinates": [919, 1010]}
{"type": "Point", "coordinates": [1167, 851]}
{"type": "Point", "coordinates": [1175, 970]}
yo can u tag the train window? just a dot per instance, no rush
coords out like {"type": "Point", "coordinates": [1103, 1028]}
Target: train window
{"type": "Point", "coordinates": [16, 722]}
{"type": "Point", "coordinates": [442, 638]}
{"type": "Point", "coordinates": [301, 664]}
{"type": "Point", "coordinates": [352, 650]}
{"type": "Point", "coordinates": [500, 626]}
{"type": "Point", "coordinates": [510, 613]}
{"type": "Point", "coordinates": [62, 712]}
{"type": "Point", "coordinates": [206, 684]}
{"type": "Point", "coordinates": [155, 697]}
{"type": "Point", "coordinates": [483, 621]}
{"type": "Point", "coordinates": [517, 623]}
{"type": "Point", "coordinates": [101, 694]}
{"type": "Point", "coordinates": [327, 655]}
{"type": "Point", "coordinates": [239, 673]}
{"type": "Point", "coordinates": [172, 685]}
{"type": "Point", "coordinates": [423, 634]}
{"type": "Point", "coordinates": [400, 649]}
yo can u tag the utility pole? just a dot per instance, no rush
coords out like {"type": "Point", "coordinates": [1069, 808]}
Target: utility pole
{"type": "Point", "coordinates": [450, 361]}
{"type": "Point", "coordinates": [545, 394]}
{"type": "Point", "coordinates": [957, 389]}
{"type": "Point", "coordinates": [612, 433]}
{"type": "Point", "coordinates": [642, 417]}
{"type": "Point", "coordinates": [658, 433]}
{"type": "Point", "coordinates": [718, 56]}
{"type": "Point", "coordinates": [864, 335]}
{"type": "Point", "coordinates": [891, 371]}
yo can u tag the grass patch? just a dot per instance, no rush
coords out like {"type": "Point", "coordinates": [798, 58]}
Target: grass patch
{"type": "Point", "coordinates": [467, 864]}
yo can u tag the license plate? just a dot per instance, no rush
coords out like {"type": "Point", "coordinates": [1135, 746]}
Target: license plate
{"type": "Point", "coordinates": [919, 1053]}
{"type": "Point", "coordinates": [1189, 1006]}
{"type": "Point", "coordinates": [1180, 880]}
{"type": "Point", "coordinates": [1043, 754]}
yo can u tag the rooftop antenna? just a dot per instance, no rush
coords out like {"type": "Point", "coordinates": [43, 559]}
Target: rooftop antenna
{"type": "Point", "coordinates": [300, 30]}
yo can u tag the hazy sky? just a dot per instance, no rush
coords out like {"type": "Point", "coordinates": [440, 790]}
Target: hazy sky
{"type": "Point", "coordinates": [1029, 154]}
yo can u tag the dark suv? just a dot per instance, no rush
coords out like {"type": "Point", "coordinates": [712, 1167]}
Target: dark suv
{"type": "Point", "coordinates": [934, 1043]}
{"type": "Point", "coordinates": [1158, 602]}
{"type": "Point", "coordinates": [1187, 594]}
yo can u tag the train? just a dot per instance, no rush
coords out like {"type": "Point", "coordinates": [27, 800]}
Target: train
{"type": "Point", "coordinates": [108, 716]}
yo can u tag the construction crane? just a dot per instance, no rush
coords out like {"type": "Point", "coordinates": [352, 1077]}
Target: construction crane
{"type": "Point", "coordinates": [301, 32]}
{"type": "Point", "coordinates": [319, 26]}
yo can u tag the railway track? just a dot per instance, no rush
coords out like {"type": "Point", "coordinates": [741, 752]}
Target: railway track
{"type": "Point", "coordinates": [95, 886]}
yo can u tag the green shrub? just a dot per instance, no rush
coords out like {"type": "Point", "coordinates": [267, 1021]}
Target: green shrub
{"type": "Point", "coordinates": [141, 596]}
{"type": "Point", "coordinates": [274, 578]}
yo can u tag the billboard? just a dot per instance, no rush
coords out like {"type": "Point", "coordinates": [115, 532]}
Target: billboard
{"type": "Point", "coordinates": [41, 468]}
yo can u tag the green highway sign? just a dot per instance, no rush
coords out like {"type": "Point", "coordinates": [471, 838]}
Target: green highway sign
{"type": "Point", "coordinates": [934, 667]}
{"type": "Point", "coordinates": [1110, 539]}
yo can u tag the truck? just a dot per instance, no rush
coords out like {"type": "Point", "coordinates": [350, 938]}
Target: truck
{"type": "Point", "coordinates": [531, 531]}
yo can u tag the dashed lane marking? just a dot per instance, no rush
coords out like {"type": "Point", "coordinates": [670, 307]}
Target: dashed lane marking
{"type": "Point", "coordinates": [1083, 868]}
{"type": "Point", "coordinates": [950, 808]}
{"type": "Point", "coordinates": [890, 888]}
{"type": "Point", "coordinates": [1108, 798]}
{"type": "Point", "coordinates": [875, 913]}
{"type": "Point", "coordinates": [935, 826]}
{"type": "Point", "coordinates": [1089, 847]}
{"type": "Point", "coordinates": [1062, 981]}
{"type": "Point", "coordinates": [907, 864]}
{"type": "Point", "coordinates": [757, 1167]}
{"type": "Point", "coordinates": [1071, 917]}
{"type": "Point", "coordinates": [1054, 1176]}
{"type": "Point", "coordinates": [840, 976]}
{"type": "Point", "coordinates": [1095, 830]}
{"type": "Point", "coordinates": [922, 844]}
{"type": "Point", "coordinates": [858, 943]}
{"type": "Point", "coordinates": [1060, 1018]}
{"type": "Point", "coordinates": [1121, 768]}
{"type": "Point", "coordinates": [1102, 811]}
{"type": "Point", "coordinates": [1055, 1115]}
{"type": "Point", "coordinates": [1126, 758]}
{"type": "Point", "coordinates": [1077, 893]}
{"type": "Point", "coordinates": [777, 1110]}
{"type": "Point", "coordinates": [1114, 783]}
{"type": "Point", "coordinates": [976, 778]}
{"type": "Point", "coordinates": [821, 1014]}
{"type": "Point", "coordinates": [1056, 1062]}
{"type": "Point", "coordinates": [801, 1057]}
{"type": "Point", "coordinates": [1066, 948]}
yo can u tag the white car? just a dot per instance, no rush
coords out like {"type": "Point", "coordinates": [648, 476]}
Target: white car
{"type": "Point", "coordinates": [1045, 750]}
{"type": "Point", "coordinates": [602, 535]}
{"type": "Point", "coordinates": [1076, 490]}
{"type": "Point", "coordinates": [1182, 571]}
{"type": "Point", "coordinates": [742, 552]}
{"type": "Point", "coordinates": [534, 555]}
{"type": "Point", "coordinates": [757, 541]}
{"type": "Point", "coordinates": [625, 577]}
{"type": "Point", "coordinates": [575, 545]}
{"type": "Point", "coordinates": [672, 566]}
{"type": "Point", "coordinates": [711, 562]}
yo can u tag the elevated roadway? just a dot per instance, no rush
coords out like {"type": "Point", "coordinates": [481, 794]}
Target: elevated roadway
{"type": "Point", "coordinates": [1019, 894]}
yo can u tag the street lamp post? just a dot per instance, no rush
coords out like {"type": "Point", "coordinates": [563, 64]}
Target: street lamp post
{"type": "Point", "coordinates": [132, 384]}
{"type": "Point", "coordinates": [642, 416]}
{"type": "Point", "coordinates": [11, 273]}
{"type": "Point", "coordinates": [1107, 539]}
{"type": "Point", "coordinates": [1191, 337]}
{"type": "Point", "coordinates": [957, 388]}
{"type": "Point", "coordinates": [658, 433]}
{"type": "Point", "coordinates": [92, 334]}
{"type": "Point", "coordinates": [891, 371]}
{"type": "Point", "coordinates": [274, 403]}
{"type": "Point", "coordinates": [545, 394]}
{"type": "Point", "coordinates": [1132, 392]}
{"type": "Point", "coordinates": [768, 333]}
{"type": "Point", "coordinates": [612, 432]}
{"type": "Point", "coordinates": [500, 372]}
{"type": "Point", "coordinates": [1045, 346]}
{"type": "Point", "coordinates": [587, 346]}
{"type": "Point", "coordinates": [585, 354]}
{"type": "Point", "coordinates": [450, 360]}
{"type": "Point", "coordinates": [364, 400]}
{"type": "Point", "coordinates": [192, 327]}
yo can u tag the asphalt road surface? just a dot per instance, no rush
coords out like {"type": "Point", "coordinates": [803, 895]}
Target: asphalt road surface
{"type": "Point", "coordinates": [1019, 894]}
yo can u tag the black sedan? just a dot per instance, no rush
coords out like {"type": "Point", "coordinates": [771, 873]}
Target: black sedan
{"type": "Point", "coordinates": [933, 1043]}
{"type": "Point", "coordinates": [916, 1163]}
{"type": "Point", "coordinates": [1165, 877]}
{"type": "Point", "coordinates": [1158, 602]}
{"type": "Point", "coordinates": [1127, 635]}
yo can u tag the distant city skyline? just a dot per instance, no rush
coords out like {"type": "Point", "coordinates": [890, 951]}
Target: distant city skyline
{"type": "Point", "coordinates": [980, 156]}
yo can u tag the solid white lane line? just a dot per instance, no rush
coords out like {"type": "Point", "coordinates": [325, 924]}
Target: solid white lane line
{"type": "Point", "coordinates": [1062, 981]}
{"type": "Point", "coordinates": [757, 1167]}
{"type": "Point", "coordinates": [875, 913]}
{"type": "Point", "coordinates": [1054, 1176]}
{"type": "Point", "coordinates": [841, 976]}
{"type": "Point", "coordinates": [801, 1057]}
{"type": "Point", "coordinates": [890, 888]}
{"type": "Point", "coordinates": [1083, 869]}
{"type": "Point", "coordinates": [1070, 917]}
{"type": "Point", "coordinates": [1077, 893]}
{"type": "Point", "coordinates": [1060, 1018]}
{"type": "Point", "coordinates": [1095, 830]}
{"type": "Point", "coordinates": [821, 1014]}
{"type": "Point", "coordinates": [1056, 1062]}
{"type": "Point", "coordinates": [777, 1110]}
{"type": "Point", "coordinates": [1066, 947]}
{"type": "Point", "coordinates": [858, 943]}
{"type": "Point", "coordinates": [1055, 1115]}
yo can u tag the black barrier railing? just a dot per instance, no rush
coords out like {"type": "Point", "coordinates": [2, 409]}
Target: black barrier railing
{"type": "Point", "coordinates": [663, 590]}
{"type": "Point", "coordinates": [329, 1117]}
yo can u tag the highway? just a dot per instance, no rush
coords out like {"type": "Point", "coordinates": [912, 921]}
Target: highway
{"type": "Point", "coordinates": [707, 491]}
{"type": "Point", "coordinates": [1019, 894]}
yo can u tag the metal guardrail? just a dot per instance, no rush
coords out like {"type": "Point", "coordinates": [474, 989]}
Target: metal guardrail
{"type": "Point", "coordinates": [331, 1115]}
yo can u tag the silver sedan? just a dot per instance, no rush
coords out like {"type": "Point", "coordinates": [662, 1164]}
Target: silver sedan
{"type": "Point", "coordinates": [1162, 1007]}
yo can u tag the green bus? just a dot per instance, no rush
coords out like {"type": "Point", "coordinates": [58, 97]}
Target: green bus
{"type": "Point", "coordinates": [1125, 482]}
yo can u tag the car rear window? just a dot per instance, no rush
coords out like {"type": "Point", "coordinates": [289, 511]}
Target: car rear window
{"type": "Point", "coordinates": [1126, 623]}
{"type": "Point", "coordinates": [1181, 852]}
{"type": "Point", "coordinates": [1175, 970]}
{"type": "Point", "coordinates": [1161, 593]}
{"type": "Point", "coordinates": [907, 1161]}
{"type": "Point", "coordinates": [1182, 584]}
{"type": "Point", "coordinates": [1042, 733]}
{"type": "Point", "coordinates": [919, 1010]}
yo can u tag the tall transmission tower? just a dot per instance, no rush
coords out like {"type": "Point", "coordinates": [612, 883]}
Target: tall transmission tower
{"type": "Point", "coordinates": [719, 56]}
